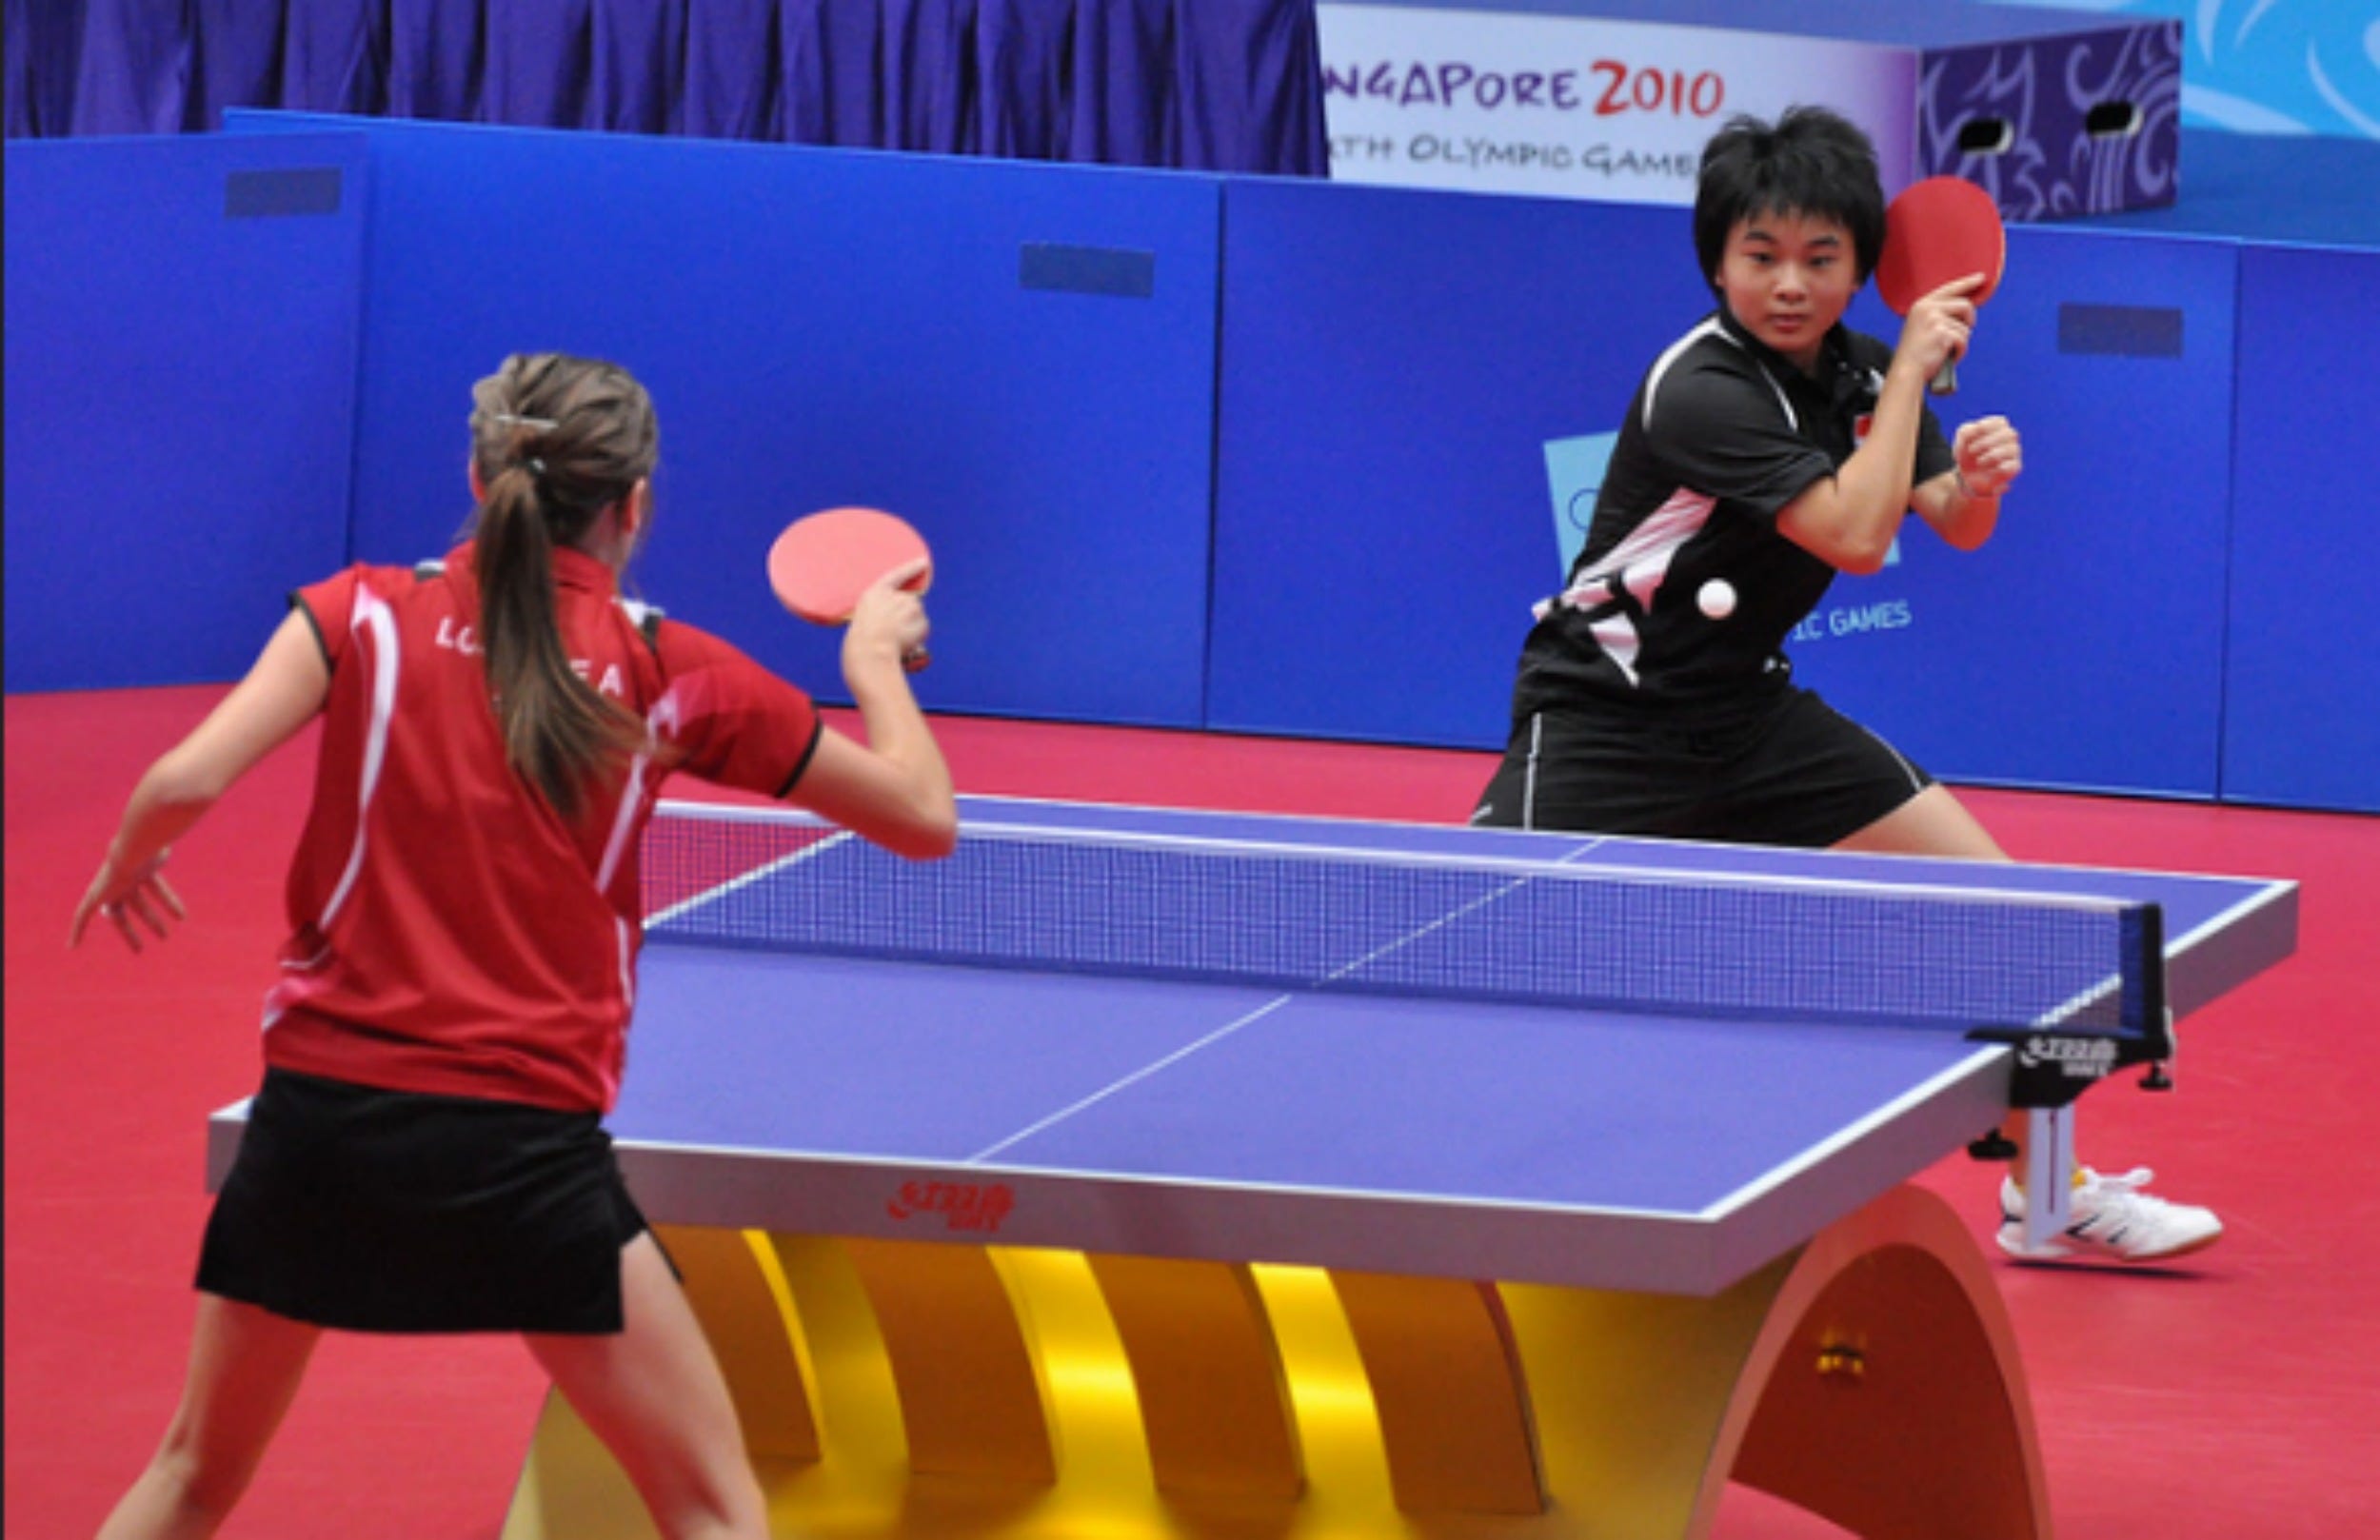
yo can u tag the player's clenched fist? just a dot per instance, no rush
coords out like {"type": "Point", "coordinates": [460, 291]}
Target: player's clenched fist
{"type": "Point", "coordinates": [1990, 455]}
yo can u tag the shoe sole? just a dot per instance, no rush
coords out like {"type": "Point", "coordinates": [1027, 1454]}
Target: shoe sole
{"type": "Point", "coordinates": [2077, 1254]}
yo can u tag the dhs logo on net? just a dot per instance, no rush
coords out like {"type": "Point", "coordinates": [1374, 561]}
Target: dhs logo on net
{"type": "Point", "coordinates": [2075, 1058]}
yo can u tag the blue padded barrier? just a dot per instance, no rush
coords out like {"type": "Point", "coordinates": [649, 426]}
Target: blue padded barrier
{"type": "Point", "coordinates": [1395, 363]}
{"type": "Point", "coordinates": [1379, 412]}
{"type": "Point", "coordinates": [822, 328]}
{"type": "Point", "coordinates": [2302, 680]}
{"type": "Point", "coordinates": [2083, 646]}
{"type": "Point", "coordinates": [1414, 388]}
{"type": "Point", "coordinates": [183, 317]}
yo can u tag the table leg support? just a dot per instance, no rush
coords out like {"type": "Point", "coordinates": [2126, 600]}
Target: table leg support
{"type": "Point", "coordinates": [1871, 1378]}
{"type": "Point", "coordinates": [1447, 1383]}
{"type": "Point", "coordinates": [2049, 1164]}
{"type": "Point", "coordinates": [1207, 1374]}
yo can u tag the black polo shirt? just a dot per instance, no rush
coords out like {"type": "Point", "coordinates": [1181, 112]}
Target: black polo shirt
{"type": "Point", "coordinates": [1722, 434]}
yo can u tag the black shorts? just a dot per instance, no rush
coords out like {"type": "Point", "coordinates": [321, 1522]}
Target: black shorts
{"type": "Point", "coordinates": [1799, 774]}
{"type": "Point", "coordinates": [371, 1210]}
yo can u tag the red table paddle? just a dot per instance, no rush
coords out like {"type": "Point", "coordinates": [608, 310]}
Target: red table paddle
{"type": "Point", "coordinates": [823, 562]}
{"type": "Point", "coordinates": [1938, 231]}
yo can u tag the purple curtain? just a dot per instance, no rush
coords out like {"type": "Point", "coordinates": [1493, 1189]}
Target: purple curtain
{"type": "Point", "coordinates": [1025, 52]}
{"type": "Point", "coordinates": [1124, 107]}
{"type": "Point", "coordinates": [733, 68]}
{"type": "Point", "coordinates": [640, 49]}
{"type": "Point", "coordinates": [1210, 85]}
{"type": "Point", "coordinates": [236, 57]}
{"type": "Point", "coordinates": [834, 53]}
{"type": "Point", "coordinates": [45, 60]}
{"type": "Point", "coordinates": [928, 76]}
{"type": "Point", "coordinates": [540, 58]}
{"type": "Point", "coordinates": [437, 60]}
{"type": "Point", "coordinates": [334, 57]}
{"type": "Point", "coordinates": [1247, 92]}
{"type": "Point", "coordinates": [133, 74]}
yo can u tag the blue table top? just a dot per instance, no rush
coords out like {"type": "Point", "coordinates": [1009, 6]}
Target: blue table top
{"type": "Point", "coordinates": [934, 1101]}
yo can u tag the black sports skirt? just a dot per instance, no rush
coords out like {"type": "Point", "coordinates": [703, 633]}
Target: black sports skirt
{"type": "Point", "coordinates": [371, 1210]}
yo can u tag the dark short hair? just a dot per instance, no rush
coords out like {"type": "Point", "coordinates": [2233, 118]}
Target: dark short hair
{"type": "Point", "coordinates": [1813, 162]}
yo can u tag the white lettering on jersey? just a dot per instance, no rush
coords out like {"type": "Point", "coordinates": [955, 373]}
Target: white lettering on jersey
{"type": "Point", "coordinates": [612, 683]}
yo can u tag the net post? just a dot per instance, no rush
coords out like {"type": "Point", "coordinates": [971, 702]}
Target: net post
{"type": "Point", "coordinates": [2146, 1011]}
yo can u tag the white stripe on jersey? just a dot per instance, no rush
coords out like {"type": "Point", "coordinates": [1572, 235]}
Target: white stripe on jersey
{"type": "Point", "coordinates": [1671, 355]}
{"type": "Point", "coordinates": [1677, 350]}
{"type": "Point", "coordinates": [1638, 564]}
{"type": "Point", "coordinates": [662, 721]}
{"type": "Point", "coordinates": [373, 616]}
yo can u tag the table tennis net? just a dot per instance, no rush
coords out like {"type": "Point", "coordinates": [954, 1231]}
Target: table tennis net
{"type": "Point", "coordinates": [1305, 918]}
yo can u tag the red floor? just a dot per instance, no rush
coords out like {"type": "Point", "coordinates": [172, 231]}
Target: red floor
{"type": "Point", "coordinates": [2237, 1397]}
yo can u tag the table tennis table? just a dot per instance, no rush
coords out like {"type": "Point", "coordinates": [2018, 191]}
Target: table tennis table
{"type": "Point", "coordinates": [1151, 1172]}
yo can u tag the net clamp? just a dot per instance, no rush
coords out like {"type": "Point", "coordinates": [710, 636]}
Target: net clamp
{"type": "Point", "coordinates": [2052, 1067]}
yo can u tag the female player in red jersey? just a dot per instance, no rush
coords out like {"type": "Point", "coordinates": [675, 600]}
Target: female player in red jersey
{"type": "Point", "coordinates": [427, 1152]}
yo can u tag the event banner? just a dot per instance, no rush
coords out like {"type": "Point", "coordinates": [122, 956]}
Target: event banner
{"type": "Point", "coordinates": [1579, 107]}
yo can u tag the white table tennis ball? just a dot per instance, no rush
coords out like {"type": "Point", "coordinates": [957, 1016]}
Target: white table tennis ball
{"type": "Point", "coordinates": [1716, 598]}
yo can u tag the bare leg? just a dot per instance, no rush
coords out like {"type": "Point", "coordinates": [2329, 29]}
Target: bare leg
{"type": "Point", "coordinates": [1933, 822]}
{"type": "Point", "coordinates": [245, 1366]}
{"type": "Point", "coordinates": [655, 1396]}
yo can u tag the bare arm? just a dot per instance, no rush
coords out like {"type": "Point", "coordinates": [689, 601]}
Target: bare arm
{"type": "Point", "coordinates": [279, 694]}
{"type": "Point", "coordinates": [895, 789]}
{"type": "Point", "coordinates": [1963, 505]}
{"type": "Point", "coordinates": [1850, 520]}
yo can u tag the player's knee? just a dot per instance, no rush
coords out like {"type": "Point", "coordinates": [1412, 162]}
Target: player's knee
{"type": "Point", "coordinates": [201, 1483]}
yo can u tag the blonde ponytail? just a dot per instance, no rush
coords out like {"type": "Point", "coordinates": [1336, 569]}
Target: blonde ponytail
{"type": "Point", "coordinates": [556, 441]}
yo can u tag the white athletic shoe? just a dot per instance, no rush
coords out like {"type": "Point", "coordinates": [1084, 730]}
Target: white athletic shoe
{"type": "Point", "coordinates": [2111, 1220]}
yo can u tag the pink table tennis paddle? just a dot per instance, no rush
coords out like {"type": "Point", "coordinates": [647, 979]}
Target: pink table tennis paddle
{"type": "Point", "coordinates": [1936, 233]}
{"type": "Point", "coordinates": [823, 562]}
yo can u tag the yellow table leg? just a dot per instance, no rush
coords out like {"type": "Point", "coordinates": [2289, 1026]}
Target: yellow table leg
{"type": "Point", "coordinates": [1871, 1378]}
{"type": "Point", "coordinates": [1447, 1381]}
{"type": "Point", "coordinates": [971, 1395]}
{"type": "Point", "coordinates": [1894, 1402]}
{"type": "Point", "coordinates": [1214, 1401]}
{"type": "Point", "coordinates": [757, 1335]}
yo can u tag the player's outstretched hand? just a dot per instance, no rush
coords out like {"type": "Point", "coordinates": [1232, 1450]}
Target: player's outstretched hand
{"type": "Point", "coordinates": [889, 621]}
{"type": "Point", "coordinates": [1990, 455]}
{"type": "Point", "coordinates": [144, 895]}
{"type": "Point", "coordinates": [1938, 326]}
